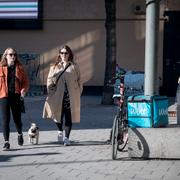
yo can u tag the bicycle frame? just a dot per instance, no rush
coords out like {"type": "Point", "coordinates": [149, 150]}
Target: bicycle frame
{"type": "Point", "coordinates": [119, 132]}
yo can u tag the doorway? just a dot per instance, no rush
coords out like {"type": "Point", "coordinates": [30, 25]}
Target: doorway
{"type": "Point", "coordinates": [171, 53]}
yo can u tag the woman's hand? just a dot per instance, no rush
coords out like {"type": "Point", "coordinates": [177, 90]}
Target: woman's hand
{"type": "Point", "coordinates": [23, 93]}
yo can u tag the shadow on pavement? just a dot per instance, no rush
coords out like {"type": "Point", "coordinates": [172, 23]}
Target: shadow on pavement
{"type": "Point", "coordinates": [75, 143]}
{"type": "Point", "coordinates": [8, 157]}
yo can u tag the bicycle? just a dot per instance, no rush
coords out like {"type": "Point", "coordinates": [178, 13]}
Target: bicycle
{"type": "Point", "coordinates": [119, 137]}
{"type": "Point", "coordinates": [119, 134]}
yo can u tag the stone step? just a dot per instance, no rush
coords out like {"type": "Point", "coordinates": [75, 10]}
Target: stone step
{"type": "Point", "coordinates": [154, 142]}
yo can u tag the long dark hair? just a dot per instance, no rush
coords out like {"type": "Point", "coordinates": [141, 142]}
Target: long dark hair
{"type": "Point", "coordinates": [68, 49]}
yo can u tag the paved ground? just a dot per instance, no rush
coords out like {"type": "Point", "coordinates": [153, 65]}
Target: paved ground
{"type": "Point", "coordinates": [89, 156]}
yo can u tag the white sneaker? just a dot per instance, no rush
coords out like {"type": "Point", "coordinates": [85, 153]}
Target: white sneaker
{"type": "Point", "coordinates": [60, 136]}
{"type": "Point", "coordinates": [66, 141]}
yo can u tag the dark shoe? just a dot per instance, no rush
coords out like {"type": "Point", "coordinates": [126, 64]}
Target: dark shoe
{"type": "Point", "coordinates": [20, 139]}
{"type": "Point", "coordinates": [6, 146]}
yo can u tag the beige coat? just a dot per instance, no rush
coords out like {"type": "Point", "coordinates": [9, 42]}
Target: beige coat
{"type": "Point", "coordinates": [53, 103]}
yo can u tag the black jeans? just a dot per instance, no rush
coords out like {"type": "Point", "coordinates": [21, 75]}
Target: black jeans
{"type": "Point", "coordinates": [66, 111]}
{"type": "Point", "coordinates": [68, 122]}
{"type": "Point", "coordinates": [8, 105]}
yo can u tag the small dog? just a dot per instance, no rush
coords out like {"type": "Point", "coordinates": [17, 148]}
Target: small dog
{"type": "Point", "coordinates": [33, 134]}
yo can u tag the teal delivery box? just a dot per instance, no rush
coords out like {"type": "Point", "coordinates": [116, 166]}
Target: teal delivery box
{"type": "Point", "coordinates": [147, 111]}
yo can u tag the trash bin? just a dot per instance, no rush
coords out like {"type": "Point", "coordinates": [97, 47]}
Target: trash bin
{"type": "Point", "coordinates": [147, 111]}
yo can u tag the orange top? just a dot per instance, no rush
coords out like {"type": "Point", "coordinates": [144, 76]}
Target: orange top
{"type": "Point", "coordinates": [21, 80]}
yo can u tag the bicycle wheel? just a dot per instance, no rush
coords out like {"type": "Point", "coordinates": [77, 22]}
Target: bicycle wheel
{"type": "Point", "coordinates": [115, 138]}
{"type": "Point", "coordinates": [123, 135]}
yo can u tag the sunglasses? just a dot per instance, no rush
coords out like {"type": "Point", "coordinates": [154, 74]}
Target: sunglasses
{"type": "Point", "coordinates": [64, 53]}
{"type": "Point", "coordinates": [12, 54]}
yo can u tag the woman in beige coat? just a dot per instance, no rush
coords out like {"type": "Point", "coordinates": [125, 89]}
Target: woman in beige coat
{"type": "Point", "coordinates": [65, 101]}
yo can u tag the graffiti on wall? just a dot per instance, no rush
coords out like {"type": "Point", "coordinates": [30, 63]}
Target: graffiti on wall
{"type": "Point", "coordinates": [32, 65]}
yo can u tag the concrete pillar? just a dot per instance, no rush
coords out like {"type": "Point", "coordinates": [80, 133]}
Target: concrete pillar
{"type": "Point", "coordinates": [151, 46]}
{"type": "Point", "coordinates": [154, 142]}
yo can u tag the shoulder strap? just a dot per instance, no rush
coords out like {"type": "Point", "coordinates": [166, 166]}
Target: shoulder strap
{"type": "Point", "coordinates": [62, 73]}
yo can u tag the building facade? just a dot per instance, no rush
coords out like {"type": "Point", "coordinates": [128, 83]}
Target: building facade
{"type": "Point", "coordinates": [81, 25]}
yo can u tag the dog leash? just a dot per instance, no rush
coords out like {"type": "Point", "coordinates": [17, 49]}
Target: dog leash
{"type": "Point", "coordinates": [29, 118]}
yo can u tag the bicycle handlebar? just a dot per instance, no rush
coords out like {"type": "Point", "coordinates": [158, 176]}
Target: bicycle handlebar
{"type": "Point", "coordinates": [119, 76]}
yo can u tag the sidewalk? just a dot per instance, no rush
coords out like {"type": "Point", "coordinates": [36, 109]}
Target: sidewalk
{"type": "Point", "coordinates": [89, 156]}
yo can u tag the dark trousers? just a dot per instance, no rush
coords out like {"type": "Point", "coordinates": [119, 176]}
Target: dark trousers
{"type": "Point", "coordinates": [66, 112]}
{"type": "Point", "coordinates": [8, 105]}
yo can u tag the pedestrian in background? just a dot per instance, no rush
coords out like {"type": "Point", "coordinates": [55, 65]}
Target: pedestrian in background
{"type": "Point", "coordinates": [65, 101]}
{"type": "Point", "coordinates": [178, 93]}
{"type": "Point", "coordinates": [13, 84]}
